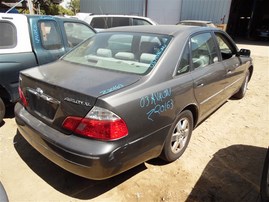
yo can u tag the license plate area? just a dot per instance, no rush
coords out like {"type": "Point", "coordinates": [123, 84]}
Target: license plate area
{"type": "Point", "coordinates": [42, 104]}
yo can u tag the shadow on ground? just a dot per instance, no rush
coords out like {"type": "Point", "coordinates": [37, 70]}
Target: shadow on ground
{"type": "Point", "coordinates": [233, 174]}
{"type": "Point", "coordinates": [9, 113]}
{"type": "Point", "coordinates": [252, 42]}
{"type": "Point", "coordinates": [64, 181]}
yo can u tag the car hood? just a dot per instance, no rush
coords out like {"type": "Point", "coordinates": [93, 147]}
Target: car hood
{"type": "Point", "coordinates": [81, 79]}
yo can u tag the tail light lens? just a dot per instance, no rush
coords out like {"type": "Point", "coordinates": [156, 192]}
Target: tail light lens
{"type": "Point", "coordinates": [99, 124]}
{"type": "Point", "coordinates": [23, 98]}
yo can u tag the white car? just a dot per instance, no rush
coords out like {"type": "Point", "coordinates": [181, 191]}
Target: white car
{"type": "Point", "coordinates": [100, 22]}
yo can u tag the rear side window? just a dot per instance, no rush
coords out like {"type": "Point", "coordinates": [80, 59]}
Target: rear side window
{"type": "Point", "coordinates": [8, 35]}
{"type": "Point", "coordinates": [76, 33]}
{"type": "Point", "coordinates": [120, 21]}
{"type": "Point", "coordinates": [184, 65]}
{"type": "Point", "coordinates": [137, 21]}
{"type": "Point", "coordinates": [50, 35]}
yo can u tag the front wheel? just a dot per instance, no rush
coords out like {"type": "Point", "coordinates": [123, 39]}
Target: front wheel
{"type": "Point", "coordinates": [242, 91]}
{"type": "Point", "coordinates": [2, 110]}
{"type": "Point", "coordinates": [178, 137]}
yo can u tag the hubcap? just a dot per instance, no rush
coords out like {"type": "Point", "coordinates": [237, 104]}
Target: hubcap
{"type": "Point", "coordinates": [180, 135]}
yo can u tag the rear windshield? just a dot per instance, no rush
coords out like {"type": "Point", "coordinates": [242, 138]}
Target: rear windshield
{"type": "Point", "coordinates": [8, 35]}
{"type": "Point", "coordinates": [125, 52]}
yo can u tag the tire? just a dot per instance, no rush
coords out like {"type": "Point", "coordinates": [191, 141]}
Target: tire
{"type": "Point", "coordinates": [2, 110]}
{"type": "Point", "coordinates": [242, 91]}
{"type": "Point", "coordinates": [178, 137]}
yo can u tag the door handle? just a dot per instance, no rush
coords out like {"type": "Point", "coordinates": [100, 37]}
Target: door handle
{"type": "Point", "coordinates": [199, 85]}
{"type": "Point", "coordinates": [229, 72]}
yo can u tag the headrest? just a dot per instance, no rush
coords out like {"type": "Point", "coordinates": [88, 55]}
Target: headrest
{"type": "Point", "coordinates": [103, 52]}
{"type": "Point", "coordinates": [147, 57]}
{"type": "Point", "coordinates": [125, 56]}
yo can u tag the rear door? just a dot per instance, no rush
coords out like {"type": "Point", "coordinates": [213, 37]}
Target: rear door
{"type": "Point", "coordinates": [208, 73]}
{"type": "Point", "coordinates": [47, 39]}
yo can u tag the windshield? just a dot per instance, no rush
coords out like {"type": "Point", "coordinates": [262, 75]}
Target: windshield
{"type": "Point", "coordinates": [126, 52]}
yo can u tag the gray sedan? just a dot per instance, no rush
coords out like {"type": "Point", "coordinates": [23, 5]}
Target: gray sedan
{"type": "Point", "coordinates": [129, 94]}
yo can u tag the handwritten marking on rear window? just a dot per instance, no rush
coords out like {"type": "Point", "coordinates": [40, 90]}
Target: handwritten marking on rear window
{"type": "Point", "coordinates": [116, 87]}
{"type": "Point", "coordinates": [158, 55]}
{"type": "Point", "coordinates": [159, 102]}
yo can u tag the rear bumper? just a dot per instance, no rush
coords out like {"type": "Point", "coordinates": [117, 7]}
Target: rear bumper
{"type": "Point", "coordinates": [85, 157]}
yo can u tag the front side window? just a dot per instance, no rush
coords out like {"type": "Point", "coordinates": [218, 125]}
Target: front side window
{"type": "Point", "coordinates": [227, 49]}
{"type": "Point", "coordinates": [135, 53]}
{"type": "Point", "coordinates": [50, 35]}
{"type": "Point", "coordinates": [76, 33]}
{"type": "Point", "coordinates": [203, 50]}
{"type": "Point", "coordinates": [8, 35]}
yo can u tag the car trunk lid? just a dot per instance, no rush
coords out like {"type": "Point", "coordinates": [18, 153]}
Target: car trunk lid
{"type": "Point", "coordinates": [61, 89]}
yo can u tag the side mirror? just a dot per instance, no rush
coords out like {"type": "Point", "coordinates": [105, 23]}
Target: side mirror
{"type": "Point", "coordinates": [244, 52]}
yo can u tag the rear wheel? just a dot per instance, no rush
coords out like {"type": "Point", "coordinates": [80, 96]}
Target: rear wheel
{"type": "Point", "coordinates": [178, 137]}
{"type": "Point", "coordinates": [242, 91]}
{"type": "Point", "coordinates": [2, 110]}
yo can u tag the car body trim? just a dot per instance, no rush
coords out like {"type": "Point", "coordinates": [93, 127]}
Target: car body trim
{"type": "Point", "coordinates": [212, 96]}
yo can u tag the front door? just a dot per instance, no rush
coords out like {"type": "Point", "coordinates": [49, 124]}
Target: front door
{"type": "Point", "coordinates": [232, 64]}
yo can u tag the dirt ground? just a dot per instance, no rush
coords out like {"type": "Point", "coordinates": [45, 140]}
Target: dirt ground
{"type": "Point", "coordinates": [222, 163]}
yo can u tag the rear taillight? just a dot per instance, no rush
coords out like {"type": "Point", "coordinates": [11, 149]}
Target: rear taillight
{"type": "Point", "coordinates": [99, 124]}
{"type": "Point", "coordinates": [23, 98]}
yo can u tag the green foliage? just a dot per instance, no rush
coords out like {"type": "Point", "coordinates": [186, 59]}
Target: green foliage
{"type": "Point", "coordinates": [63, 11]}
{"type": "Point", "coordinates": [47, 7]}
{"type": "Point", "coordinates": [74, 6]}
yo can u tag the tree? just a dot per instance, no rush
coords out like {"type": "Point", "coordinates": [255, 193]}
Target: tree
{"type": "Point", "coordinates": [74, 6]}
{"type": "Point", "coordinates": [50, 7]}
{"type": "Point", "coordinates": [63, 11]}
{"type": "Point", "coordinates": [45, 6]}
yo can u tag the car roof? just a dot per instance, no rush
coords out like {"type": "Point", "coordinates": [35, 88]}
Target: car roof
{"type": "Point", "coordinates": [198, 21]}
{"type": "Point", "coordinates": [39, 16]}
{"type": "Point", "coordinates": [116, 15]}
{"type": "Point", "coordinates": [160, 29]}
{"type": "Point", "coordinates": [91, 16]}
{"type": "Point", "coordinates": [53, 17]}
